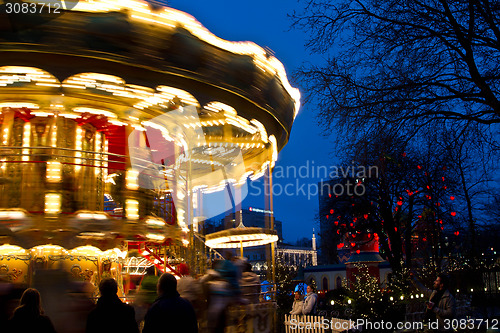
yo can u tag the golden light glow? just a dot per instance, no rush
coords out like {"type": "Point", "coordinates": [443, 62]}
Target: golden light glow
{"type": "Point", "coordinates": [262, 129]}
{"type": "Point", "coordinates": [98, 149]}
{"type": "Point", "coordinates": [95, 111]}
{"type": "Point", "coordinates": [105, 163]}
{"type": "Point", "coordinates": [53, 137]}
{"type": "Point", "coordinates": [170, 17]}
{"type": "Point", "coordinates": [78, 147]}
{"type": "Point", "coordinates": [19, 105]}
{"type": "Point", "coordinates": [155, 237]}
{"type": "Point", "coordinates": [12, 214]}
{"type": "Point", "coordinates": [86, 251]}
{"type": "Point", "coordinates": [132, 179]}
{"type": "Point", "coordinates": [240, 237]}
{"type": "Point", "coordinates": [155, 222]}
{"type": "Point", "coordinates": [26, 140]}
{"type": "Point", "coordinates": [53, 174]}
{"type": "Point", "coordinates": [91, 216]}
{"type": "Point", "coordinates": [274, 146]}
{"type": "Point", "coordinates": [171, 93]}
{"type": "Point", "coordinates": [10, 75]}
{"type": "Point", "coordinates": [52, 203]}
{"type": "Point", "coordinates": [7, 249]}
{"type": "Point", "coordinates": [132, 209]}
{"type": "Point", "coordinates": [49, 249]}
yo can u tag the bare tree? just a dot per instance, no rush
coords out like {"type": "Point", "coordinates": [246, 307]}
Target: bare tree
{"type": "Point", "coordinates": [403, 64]}
{"type": "Point", "coordinates": [402, 75]}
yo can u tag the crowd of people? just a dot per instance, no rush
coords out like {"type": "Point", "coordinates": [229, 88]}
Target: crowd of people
{"type": "Point", "coordinates": [184, 304]}
{"type": "Point", "coordinates": [439, 308]}
{"type": "Point", "coordinates": [187, 304]}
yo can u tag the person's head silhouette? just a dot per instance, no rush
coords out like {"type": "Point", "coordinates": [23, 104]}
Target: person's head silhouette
{"type": "Point", "coordinates": [30, 300]}
{"type": "Point", "coordinates": [167, 285]}
{"type": "Point", "coordinates": [108, 287]}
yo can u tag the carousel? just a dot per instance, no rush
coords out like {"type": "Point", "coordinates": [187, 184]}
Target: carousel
{"type": "Point", "coordinates": [117, 119]}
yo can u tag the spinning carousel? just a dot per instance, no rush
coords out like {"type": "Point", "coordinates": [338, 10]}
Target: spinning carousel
{"type": "Point", "coordinates": [117, 118]}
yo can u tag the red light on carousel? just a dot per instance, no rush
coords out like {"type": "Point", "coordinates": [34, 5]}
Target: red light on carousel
{"type": "Point", "coordinates": [452, 198]}
{"type": "Point", "coordinates": [456, 233]}
{"type": "Point", "coordinates": [419, 167]}
{"type": "Point", "coordinates": [353, 244]}
{"type": "Point", "coordinates": [400, 203]}
{"type": "Point", "coordinates": [340, 245]}
{"type": "Point", "coordinates": [358, 251]}
{"type": "Point", "coordinates": [453, 213]}
{"type": "Point", "coordinates": [331, 211]}
{"type": "Point", "coordinates": [327, 217]}
{"type": "Point", "coordinates": [336, 222]}
{"type": "Point", "coordinates": [365, 216]}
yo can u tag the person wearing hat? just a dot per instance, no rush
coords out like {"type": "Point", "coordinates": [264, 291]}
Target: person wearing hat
{"type": "Point", "coordinates": [189, 288]}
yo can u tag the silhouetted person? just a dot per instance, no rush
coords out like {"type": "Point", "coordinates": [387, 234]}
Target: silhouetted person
{"type": "Point", "coordinates": [28, 316]}
{"type": "Point", "coordinates": [190, 289]}
{"type": "Point", "coordinates": [309, 306]}
{"type": "Point", "coordinates": [441, 305]}
{"type": "Point", "coordinates": [250, 284]}
{"type": "Point", "coordinates": [170, 313]}
{"type": "Point", "coordinates": [111, 314]}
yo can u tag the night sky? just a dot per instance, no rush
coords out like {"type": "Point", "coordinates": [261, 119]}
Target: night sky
{"type": "Point", "coordinates": [266, 24]}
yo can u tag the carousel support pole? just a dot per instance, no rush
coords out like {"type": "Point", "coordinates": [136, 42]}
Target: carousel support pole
{"type": "Point", "coordinates": [271, 206]}
{"type": "Point", "coordinates": [273, 256]}
{"type": "Point", "coordinates": [164, 258]}
{"type": "Point", "coordinates": [190, 220]}
{"type": "Point", "coordinates": [241, 249]}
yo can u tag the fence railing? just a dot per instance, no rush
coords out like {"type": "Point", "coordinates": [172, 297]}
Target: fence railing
{"type": "Point", "coordinates": [317, 324]}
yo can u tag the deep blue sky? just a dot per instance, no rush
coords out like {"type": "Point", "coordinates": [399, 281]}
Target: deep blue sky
{"type": "Point", "coordinates": [266, 24]}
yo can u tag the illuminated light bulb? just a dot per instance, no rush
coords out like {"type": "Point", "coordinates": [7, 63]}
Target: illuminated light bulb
{"type": "Point", "coordinates": [52, 203]}
{"type": "Point", "coordinates": [132, 209]}
{"type": "Point", "coordinates": [53, 173]}
{"type": "Point", "coordinates": [132, 179]}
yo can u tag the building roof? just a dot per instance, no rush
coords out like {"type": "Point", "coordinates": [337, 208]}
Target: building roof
{"type": "Point", "coordinates": [365, 257]}
{"type": "Point", "coordinates": [325, 268]}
